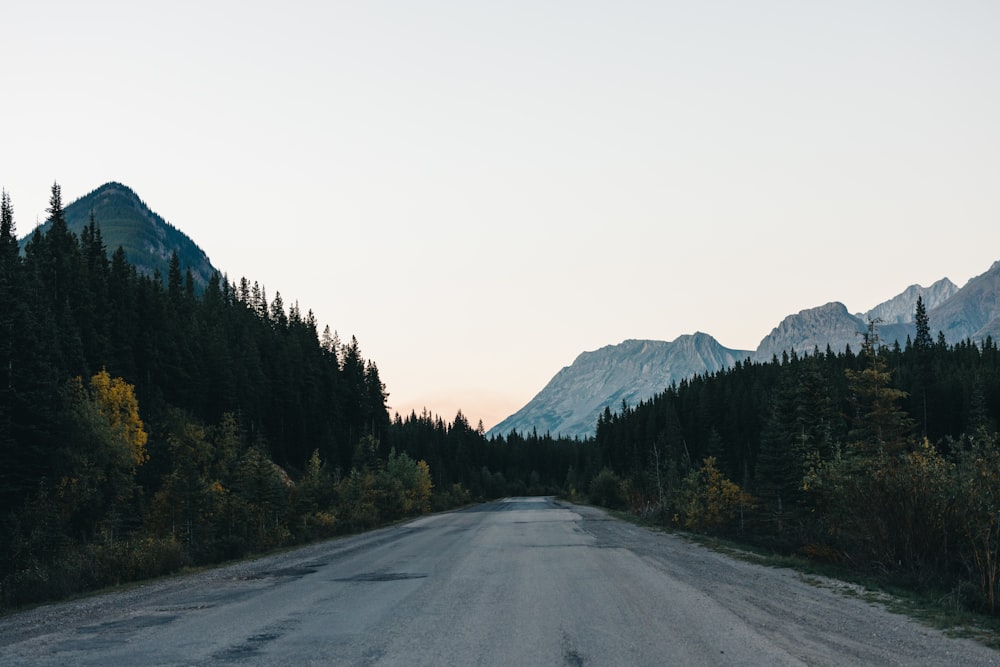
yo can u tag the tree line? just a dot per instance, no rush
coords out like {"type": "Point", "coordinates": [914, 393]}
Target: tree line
{"type": "Point", "coordinates": [886, 460]}
{"type": "Point", "coordinates": [146, 425]}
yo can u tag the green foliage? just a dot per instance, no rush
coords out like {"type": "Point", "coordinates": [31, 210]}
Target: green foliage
{"type": "Point", "coordinates": [606, 489]}
{"type": "Point", "coordinates": [455, 495]}
{"type": "Point", "coordinates": [708, 500]}
{"type": "Point", "coordinates": [215, 424]}
{"type": "Point", "coordinates": [977, 500]}
{"type": "Point", "coordinates": [827, 445]}
{"type": "Point", "coordinates": [879, 421]}
{"type": "Point", "coordinates": [891, 511]}
{"type": "Point", "coordinates": [145, 237]}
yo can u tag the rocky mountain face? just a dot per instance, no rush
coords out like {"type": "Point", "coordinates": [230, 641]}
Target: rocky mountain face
{"type": "Point", "coordinates": [808, 329]}
{"type": "Point", "coordinates": [632, 371]}
{"type": "Point", "coordinates": [901, 308]}
{"type": "Point", "coordinates": [973, 311]}
{"type": "Point", "coordinates": [832, 325]}
{"type": "Point", "coordinates": [149, 241]}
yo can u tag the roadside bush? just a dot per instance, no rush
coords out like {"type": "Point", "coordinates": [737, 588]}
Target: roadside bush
{"type": "Point", "coordinates": [977, 493]}
{"type": "Point", "coordinates": [708, 500]}
{"type": "Point", "coordinates": [89, 567]}
{"type": "Point", "coordinates": [454, 496]}
{"type": "Point", "coordinates": [607, 490]}
{"type": "Point", "coordinates": [889, 511]}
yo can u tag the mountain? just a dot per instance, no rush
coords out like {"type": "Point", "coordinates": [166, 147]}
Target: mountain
{"type": "Point", "coordinates": [973, 311]}
{"type": "Point", "coordinates": [126, 221]}
{"type": "Point", "coordinates": [833, 325]}
{"type": "Point", "coordinates": [808, 329]}
{"type": "Point", "coordinates": [630, 371]}
{"type": "Point", "coordinates": [901, 308]}
{"type": "Point", "coordinates": [571, 402]}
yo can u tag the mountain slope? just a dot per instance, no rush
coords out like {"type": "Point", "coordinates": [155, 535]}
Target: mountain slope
{"type": "Point", "coordinates": [806, 330]}
{"type": "Point", "coordinates": [901, 308]}
{"type": "Point", "coordinates": [148, 239]}
{"type": "Point", "coordinates": [634, 370]}
{"type": "Point", "coordinates": [973, 310]}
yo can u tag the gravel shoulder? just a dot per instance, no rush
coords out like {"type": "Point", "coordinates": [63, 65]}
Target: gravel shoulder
{"type": "Point", "coordinates": [813, 619]}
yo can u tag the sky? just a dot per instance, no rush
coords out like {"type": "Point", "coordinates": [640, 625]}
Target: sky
{"type": "Point", "coordinates": [480, 191]}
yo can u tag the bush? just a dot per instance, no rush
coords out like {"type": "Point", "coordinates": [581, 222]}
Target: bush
{"type": "Point", "coordinates": [708, 499]}
{"type": "Point", "coordinates": [606, 489]}
{"type": "Point", "coordinates": [455, 496]}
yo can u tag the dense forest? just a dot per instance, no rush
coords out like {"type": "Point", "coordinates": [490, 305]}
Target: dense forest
{"type": "Point", "coordinates": [147, 425]}
{"type": "Point", "coordinates": [885, 461]}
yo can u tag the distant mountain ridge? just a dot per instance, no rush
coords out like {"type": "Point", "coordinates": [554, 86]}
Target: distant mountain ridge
{"type": "Point", "coordinates": [569, 405]}
{"type": "Point", "coordinates": [631, 371]}
{"type": "Point", "coordinates": [148, 240]}
{"type": "Point", "coordinates": [974, 310]}
{"type": "Point", "coordinates": [901, 308]}
{"type": "Point", "coordinates": [832, 325]}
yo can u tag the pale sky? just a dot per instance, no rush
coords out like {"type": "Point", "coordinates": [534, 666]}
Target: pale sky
{"type": "Point", "coordinates": [480, 191]}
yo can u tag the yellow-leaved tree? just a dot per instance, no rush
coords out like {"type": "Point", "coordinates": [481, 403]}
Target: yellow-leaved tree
{"type": "Point", "coordinates": [708, 499]}
{"type": "Point", "coordinates": [104, 443]}
{"type": "Point", "coordinates": [116, 402]}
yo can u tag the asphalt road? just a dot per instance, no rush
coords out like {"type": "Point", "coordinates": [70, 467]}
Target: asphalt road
{"type": "Point", "coordinates": [525, 581]}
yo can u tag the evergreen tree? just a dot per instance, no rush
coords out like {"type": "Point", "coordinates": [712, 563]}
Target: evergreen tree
{"type": "Point", "coordinates": [879, 422]}
{"type": "Point", "coordinates": [9, 267]}
{"type": "Point", "coordinates": [60, 252]}
{"type": "Point", "coordinates": [923, 346]}
{"type": "Point", "coordinates": [90, 311]}
{"type": "Point", "coordinates": [923, 341]}
{"type": "Point", "coordinates": [175, 281]}
{"type": "Point", "coordinates": [8, 233]}
{"type": "Point", "coordinates": [11, 302]}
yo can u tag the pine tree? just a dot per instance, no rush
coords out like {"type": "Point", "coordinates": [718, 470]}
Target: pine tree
{"type": "Point", "coordinates": [9, 265]}
{"type": "Point", "coordinates": [175, 282]}
{"type": "Point", "coordinates": [61, 251]}
{"type": "Point", "coordinates": [923, 344]}
{"type": "Point", "coordinates": [923, 341]}
{"type": "Point", "coordinates": [8, 234]}
{"type": "Point", "coordinates": [91, 310]}
{"type": "Point", "coordinates": [879, 421]}
{"type": "Point", "coordinates": [10, 300]}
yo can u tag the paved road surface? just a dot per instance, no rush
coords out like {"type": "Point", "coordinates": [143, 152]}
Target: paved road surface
{"type": "Point", "coordinates": [526, 581]}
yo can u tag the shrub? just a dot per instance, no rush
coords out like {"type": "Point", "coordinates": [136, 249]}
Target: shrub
{"type": "Point", "coordinates": [708, 499]}
{"type": "Point", "coordinates": [606, 489]}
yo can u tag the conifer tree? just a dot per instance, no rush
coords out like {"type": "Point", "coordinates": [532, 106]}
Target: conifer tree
{"type": "Point", "coordinates": [9, 264]}
{"type": "Point", "coordinates": [10, 301]}
{"type": "Point", "coordinates": [879, 421]}
{"type": "Point", "coordinates": [175, 282]}
{"type": "Point", "coordinates": [61, 246]}
{"type": "Point", "coordinates": [8, 235]}
{"type": "Point", "coordinates": [923, 345]}
{"type": "Point", "coordinates": [923, 341]}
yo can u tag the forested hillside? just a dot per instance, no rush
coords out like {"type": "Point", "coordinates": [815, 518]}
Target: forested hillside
{"type": "Point", "coordinates": [886, 461]}
{"type": "Point", "coordinates": [125, 220]}
{"type": "Point", "coordinates": [146, 425]}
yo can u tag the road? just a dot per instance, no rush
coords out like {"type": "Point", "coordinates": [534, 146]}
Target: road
{"type": "Point", "coordinates": [525, 581]}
